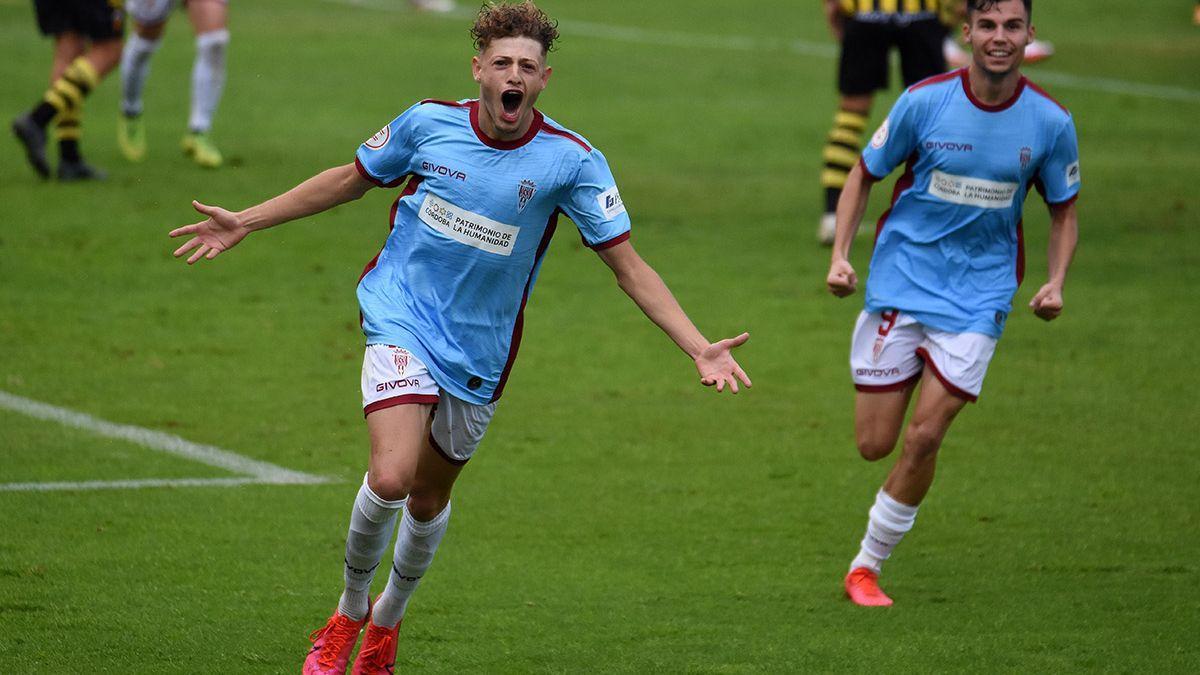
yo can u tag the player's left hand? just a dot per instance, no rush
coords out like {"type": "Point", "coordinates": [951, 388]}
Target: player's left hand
{"type": "Point", "coordinates": [1048, 302]}
{"type": "Point", "coordinates": [718, 367]}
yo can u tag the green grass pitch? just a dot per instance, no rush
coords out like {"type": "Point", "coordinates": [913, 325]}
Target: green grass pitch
{"type": "Point", "coordinates": [618, 517]}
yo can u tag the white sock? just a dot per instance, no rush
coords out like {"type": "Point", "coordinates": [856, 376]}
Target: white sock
{"type": "Point", "coordinates": [415, 545]}
{"type": "Point", "coordinates": [135, 68]}
{"type": "Point", "coordinates": [888, 522]}
{"type": "Point", "coordinates": [208, 78]}
{"type": "Point", "coordinates": [371, 523]}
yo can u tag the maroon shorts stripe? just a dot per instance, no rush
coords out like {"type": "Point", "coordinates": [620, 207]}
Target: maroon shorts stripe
{"type": "Point", "coordinates": [405, 399]}
{"type": "Point", "coordinates": [967, 396]}
{"type": "Point", "coordinates": [440, 451]}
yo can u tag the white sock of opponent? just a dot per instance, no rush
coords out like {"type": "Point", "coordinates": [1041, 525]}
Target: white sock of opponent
{"type": "Point", "coordinates": [135, 68]}
{"type": "Point", "coordinates": [208, 78]}
{"type": "Point", "coordinates": [415, 546]}
{"type": "Point", "coordinates": [371, 525]}
{"type": "Point", "coordinates": [889, 521]}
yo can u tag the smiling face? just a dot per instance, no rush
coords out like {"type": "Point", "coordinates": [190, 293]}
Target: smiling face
{"type": "Point", "coordinates": [998, 36]}
{"type": "Point", "coordinates": [511, 72]}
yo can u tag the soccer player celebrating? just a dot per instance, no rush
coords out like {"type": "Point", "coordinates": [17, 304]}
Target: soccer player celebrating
{"type": "Point", "coordinates": [209, 19]}
{"type": "Point", "coordinates": [484, 183]}
{"type": "Point", "coordinates": [948, 256]}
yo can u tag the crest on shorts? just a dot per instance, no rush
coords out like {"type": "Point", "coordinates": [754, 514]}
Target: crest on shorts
{"type": "Point", "coordinates": [524, 193]}
{"type": "Point", "coordinates": [1026, 155]}
{"type": "Point", "coordinates": [400, 357]}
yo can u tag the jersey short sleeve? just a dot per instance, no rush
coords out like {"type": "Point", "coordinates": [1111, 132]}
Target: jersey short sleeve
{"type": "Point", "coordinates": [595, 205]}
{"type": "Point", "coordinates": [1059, 174]}
{"type": "Point", "coordinates": [895, 139]}
{"type": "Point", "coordinates": [386, 158]}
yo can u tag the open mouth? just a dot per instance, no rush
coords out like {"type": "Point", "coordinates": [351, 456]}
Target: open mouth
{"type": "Point", "coordinates": [511, 100]}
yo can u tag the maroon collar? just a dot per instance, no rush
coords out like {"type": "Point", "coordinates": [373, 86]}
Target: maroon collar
{"type": "Point", "coordinates": [534, 128]}
{"type": "Point", "coordinates": [966, 85]}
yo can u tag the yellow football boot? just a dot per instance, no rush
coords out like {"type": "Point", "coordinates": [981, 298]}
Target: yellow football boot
{"type": "Point", "coordinates": [131, 138]}
{"type": "Point", "coordinates": [201, 150]}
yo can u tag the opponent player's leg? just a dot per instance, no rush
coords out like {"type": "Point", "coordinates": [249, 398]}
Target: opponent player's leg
{"type": "Point", "coordinates": [30, 127]}
{"type": "Point", "coordinates": [149, 21]}
{"type": "Point", "coordinates": [862, 68]}
{"type": "Point", "coordinates": [922, 50]}
{"type": "Point", "coordinates": [455, 432]}
{"type": "Point", "coordinates": [102, 56]}
{"type": "Point", "coordinates": [210, 20]}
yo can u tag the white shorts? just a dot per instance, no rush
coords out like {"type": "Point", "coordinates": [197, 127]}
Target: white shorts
{"type": "Point", "coordinates": [889, 350]}
{"type": "Point", "coordinates": [149, 12]}
{"type": "Point", "coordinates": [395, 376]}
{"type": "Point", "coordinates": [152, 12]}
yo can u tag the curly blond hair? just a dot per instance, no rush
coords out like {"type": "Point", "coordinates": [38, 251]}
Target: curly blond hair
{"type": "Point", "coordinates": [500, 20]}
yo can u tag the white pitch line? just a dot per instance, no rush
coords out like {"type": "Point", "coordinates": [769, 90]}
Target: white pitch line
{"type": "Point", "coordinates": [824, 50]}
{"type": "Point", "coordinates": [262, 472]}
{"type": "Point", "coordinates": [129, 484]}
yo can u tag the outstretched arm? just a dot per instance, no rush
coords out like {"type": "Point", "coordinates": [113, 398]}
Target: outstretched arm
{"type": "Point", "coordinates": [1047, 303]}
{"type": "Point", "coordinates": [223, 229]}
{"type": "Point", "coordinates": [643, 285]}
{"type": "Point", "coordinates": [842, 280]}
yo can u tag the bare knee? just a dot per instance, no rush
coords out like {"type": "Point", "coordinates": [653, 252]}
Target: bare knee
{"type": "Point", "coordinates": [391, 487]}
{"type": "Point", "coordinates": [425, 504]}
{"type": "Point", "coordinates": [873, 448]}
{"type": "Point", "coordinates": [922, 440]}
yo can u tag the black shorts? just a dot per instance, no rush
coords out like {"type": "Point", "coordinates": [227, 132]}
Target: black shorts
{"type": "Point", "coordinates": [96, 19]}
{"type": "Point", "coordinates": [863, 67]}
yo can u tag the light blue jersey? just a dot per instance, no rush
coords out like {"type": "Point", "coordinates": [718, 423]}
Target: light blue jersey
{"type": "Point", "coordinates": [950, 250]}
{"type": "Point", "coordinates": [468, 235]}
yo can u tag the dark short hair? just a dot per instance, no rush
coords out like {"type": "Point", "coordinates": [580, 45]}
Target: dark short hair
{"type": "Point", "coordinates": [985, 5]}
{"type": "Point", "coordinates": [500, 20]}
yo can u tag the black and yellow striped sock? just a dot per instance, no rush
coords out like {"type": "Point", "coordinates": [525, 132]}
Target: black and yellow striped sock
{"type": "Point", "coordinates": [69, 133]}
{"type": "Point", "coordinates": [68, 91]}
{"type": "Point", "coordinates": [841, 154]}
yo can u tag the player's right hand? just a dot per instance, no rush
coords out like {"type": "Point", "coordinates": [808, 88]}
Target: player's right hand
{"type": "Point", "coordinates": [221, 231]}
{"type": "Point", "coordinates": [842, 280]}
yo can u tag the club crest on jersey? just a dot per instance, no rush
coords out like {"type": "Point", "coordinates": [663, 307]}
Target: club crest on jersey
{"type": "Point", "coordinates": [524, 193]}
{"type": "Point", "coordinates": [380, 138]}
{"type": "Point", "coordinates": [1026, 155]}
{"type": "Point", "coordinates": [881, 134]}
{"type": "Point", "coordinates": [400, 357]}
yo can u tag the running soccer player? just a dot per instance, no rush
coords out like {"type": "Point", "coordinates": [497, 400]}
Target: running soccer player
{"type": "Point", "coordinates": [210, 20]}
{"type": "Point", "coordinates": [484, 181]}
{"type": "Point", "coordinates": [948, 256]}
{"type": "Point", "coordinates": [87, 44]}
